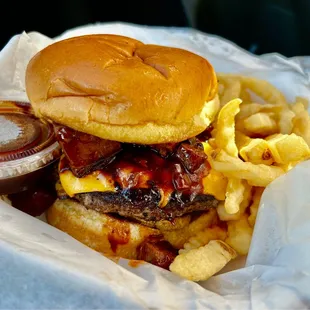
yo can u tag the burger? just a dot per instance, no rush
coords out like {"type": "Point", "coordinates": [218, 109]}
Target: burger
{"type": "Point", "coordinates": [130, 119]}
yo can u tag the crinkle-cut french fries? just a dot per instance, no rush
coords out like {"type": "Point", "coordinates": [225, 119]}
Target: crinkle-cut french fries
{"type": "Point", "coordinates": [258, 192]}
{"type": "Point", "coordinates": [225, 135]}
{"type": "Point", "coordinates": [202, 263]}
{"type": "Point", "coordinates": [240, 235]}
{"type": "Point", "coordinates": [234, 195]}
{"type": "Point", "coordinates": [220, 90]}
{"type": "Point", "coordinates": [257, 137]}
{"type": "Point", "coordinates": [204, 237]}
{"type": "Point", "coordinates": [250, 108]}
{"type": "Point", "coordinates": [288, 148]}
{"type": "Point", "coordinates": [247, 198]}
{"type": "Point", "coordinates": [256, 175]}
{"type": "Point", "coordinates": [262, 124]}
{"type": "Point", "coordinates": [301, 122]}
{"type": "Point", "coordinates": [304, 101]}
{"type": "Point", "coordinates": [261, 88]}
{"type": "Point", "coordinates": [255, 151]}
{"type": "Point", "coordinates": [229, 89]}
{"type": "Point", "coordinates": [278, 148]}
{"type": "Point", "coordinates": [286, 121]}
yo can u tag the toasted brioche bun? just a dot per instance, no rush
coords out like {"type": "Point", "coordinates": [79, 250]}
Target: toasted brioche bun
{"type": "Point", "coordinates": [106, 234]}
{"type": "Point", "coordinates": [120, 89]}
{"type": "Point", "coordinates": [121, 237]}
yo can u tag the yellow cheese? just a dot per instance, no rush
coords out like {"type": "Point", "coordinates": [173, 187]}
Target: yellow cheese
{"type": "Point", "coordinates": [215, 184]}
{"type": "Point", "coordinates": [94, 182]}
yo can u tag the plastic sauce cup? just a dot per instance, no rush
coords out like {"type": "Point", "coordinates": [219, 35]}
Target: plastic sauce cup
{"type": "Point", "coordinates": [27, 147]}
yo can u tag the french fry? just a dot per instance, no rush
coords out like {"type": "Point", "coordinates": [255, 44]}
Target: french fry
{"type": "Point", "coordinates": [241, 139]}
{"type": "Point", "coordinates": [257, 175]}
{"type": "Point", "coordinates": [301, 122]}
{"type": "Point", "coordinates": [261, 123]}
{"type": "Point", "coordinates": [234, 195]}
{"type": "Point", "coordinates": [287, 167]}
{"type": "Point", "coordinates": [232, 91]}
{"type": "Point", "coordinates": [251, 108]}
{"type": "Point", "coordinates": [304, 101]}
{"type": "Point", "coordinates": [248, 109]}
{"type": "Point", "coordinates": [239, 235]}
{"type": "Point", "coordinates": [258, 191]}
{"type": "Point", "coordinates": [262, 88]}
{"type": "Point", "coordinates": [245, 96]}
{"type": "Point", "coordinates": [202, 263]}
{"type": "Point", "coordinates": [288, 148]}
{"type": "Point", "coordinates": [224, 216]}
{"type": "Point", "coordinates": [204, 237]}
{"type": "Point", "coordinates": [225, 135]}
{"type": "Point", "coordinates": [257, 137]}
{"type": "Point", "coordinates": [286, 121]}
{"type": "Point", "coordinates": [255, 151]}
{"type": "Point", "coordinates": [221, 89]}
{"type": "Point", "coordinates": [297, 107]}
{"type": "Point", "coordinates": [247, 197]}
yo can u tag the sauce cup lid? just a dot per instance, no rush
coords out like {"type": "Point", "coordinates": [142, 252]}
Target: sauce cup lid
{"type": "Point", "coordinates": [26, 142]}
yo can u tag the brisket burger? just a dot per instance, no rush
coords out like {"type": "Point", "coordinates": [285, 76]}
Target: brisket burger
{"type": "Point", "coordinates": [130, 118]}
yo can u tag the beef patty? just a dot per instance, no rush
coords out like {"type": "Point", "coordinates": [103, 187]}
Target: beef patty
{"type": "Point", "coordinates": [143, 206]}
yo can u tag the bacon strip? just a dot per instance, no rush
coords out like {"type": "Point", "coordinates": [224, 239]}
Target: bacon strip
{"type": "Point", "coordinates": [157, 252]}
{"type": "Point", "coordinates": [85, 152]}
{"type": "Point", "coordinates": [172, 167]}
{"type": "Point", "coordinates": [191, 157]}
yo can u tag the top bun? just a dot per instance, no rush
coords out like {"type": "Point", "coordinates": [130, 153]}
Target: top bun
{"type": "Point", "coordinates": [118, 88]}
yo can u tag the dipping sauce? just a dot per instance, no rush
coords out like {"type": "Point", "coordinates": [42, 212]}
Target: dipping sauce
{"type": "Point", "coordinates": [28, 150]}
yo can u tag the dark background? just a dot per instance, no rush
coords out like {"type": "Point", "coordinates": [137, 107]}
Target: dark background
{"type": "Point", "coordinates": [260, 26]}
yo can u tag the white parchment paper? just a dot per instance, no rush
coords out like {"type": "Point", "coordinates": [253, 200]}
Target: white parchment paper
{"type": "Point", "coordinates": [60, 272]}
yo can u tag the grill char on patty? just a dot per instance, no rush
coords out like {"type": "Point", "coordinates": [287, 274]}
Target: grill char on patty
{"type": "Point", "coordinates": [141, 175]}
{"type": "Point", "coordinates": [142, 205]}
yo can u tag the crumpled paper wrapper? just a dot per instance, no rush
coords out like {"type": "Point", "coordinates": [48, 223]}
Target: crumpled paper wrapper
{"type": "Point", "coordinates": [42, 267]}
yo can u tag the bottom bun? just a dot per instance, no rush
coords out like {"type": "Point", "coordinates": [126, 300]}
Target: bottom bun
{"type": "Point", "coordinates": [104, 233]}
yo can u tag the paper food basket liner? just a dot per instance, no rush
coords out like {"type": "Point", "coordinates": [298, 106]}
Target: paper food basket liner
{"type": "Point", "coordinates": [44, 268]}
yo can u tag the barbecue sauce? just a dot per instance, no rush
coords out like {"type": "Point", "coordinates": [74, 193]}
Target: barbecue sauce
{"type": "Point", "coordinates": [28, 158]}
{"type": "Point", "coordinates": [36, 199]}
{"type": "Point", "coordinates": [119, 235]}
{"type": "Point", "coordinates": [179, 168]}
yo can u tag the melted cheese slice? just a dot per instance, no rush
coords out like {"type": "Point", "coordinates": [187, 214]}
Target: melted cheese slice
{"type": "Point", "coordinates": [94, 182]}
{"type": "Point", "coordinates": [214, 184]}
